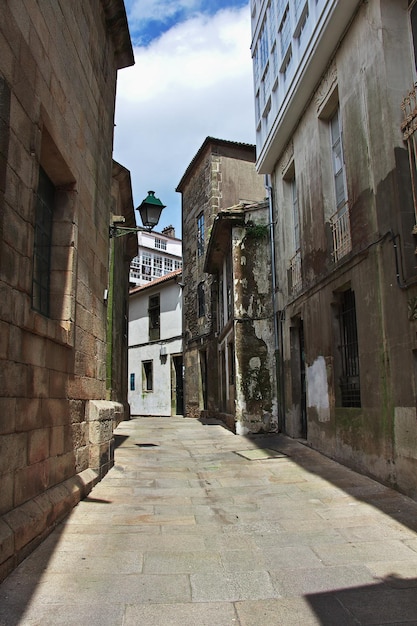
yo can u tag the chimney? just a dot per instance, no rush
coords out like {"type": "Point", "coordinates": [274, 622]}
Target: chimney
{"type": "Point", "coordinates": [169, 231]}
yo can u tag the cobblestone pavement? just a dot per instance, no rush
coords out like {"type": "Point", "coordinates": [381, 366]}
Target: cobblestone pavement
{"type": "Point", "coordinates": [195, 526]}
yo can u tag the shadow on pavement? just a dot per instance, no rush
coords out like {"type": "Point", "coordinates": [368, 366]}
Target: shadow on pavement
{"type": "Point", "coordinates": [360, 486]}
{"type": "Point", "coordinates": [392, 601]}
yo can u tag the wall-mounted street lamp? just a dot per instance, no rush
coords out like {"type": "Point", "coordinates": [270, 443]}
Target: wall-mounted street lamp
{"type": "Point", "coordinates": [150, 211]}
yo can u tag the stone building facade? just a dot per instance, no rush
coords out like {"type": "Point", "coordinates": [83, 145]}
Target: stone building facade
{"type": "Point", "coordinates": [337, 145]}
{"type": "Point", "coordinates": [239, 259]}
{"type": "Point", "coordinates": [221, 175]}
{"type": "Point", "coordinates": [58, 67]}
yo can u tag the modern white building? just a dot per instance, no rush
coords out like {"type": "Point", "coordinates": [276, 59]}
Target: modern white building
{"type": "Point", "coordinates": [291, 41]}
{"type": "Point", "coordinates": [155, 362]}
{"type": "Point", "coordinates": [158, 254]}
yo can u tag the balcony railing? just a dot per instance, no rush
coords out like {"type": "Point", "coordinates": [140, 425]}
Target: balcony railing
{"type": "Point", "coordinates": [340, 225]}
{"type": "Point", "coordinates": [295, 271]}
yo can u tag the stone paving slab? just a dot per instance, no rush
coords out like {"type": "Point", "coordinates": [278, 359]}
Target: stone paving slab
{"type": "Point", "coordinates": [185, 531]}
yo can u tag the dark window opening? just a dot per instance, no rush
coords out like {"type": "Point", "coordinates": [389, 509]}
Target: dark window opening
{"type": "Point", "coordinates": [132, 382]}
{"type": "Point", "coordinates": [147, 376]}
{"type": "Point", "coordinates": [45, 198]}
{"type": "Point", "coordinates": [349, 352]}
{"type": "Point", "coordinates": [200, 234]}
{"type": "Point", "coordinates": [201, 305]}
{"type": "Point", "coordinates": [154, 313]}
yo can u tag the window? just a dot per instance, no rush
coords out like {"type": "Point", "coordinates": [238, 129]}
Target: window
{"type": "Point", "coordinates": [413, 17]}
{"type": "Point", "coordinates": [295, 214]}
{"type": "Point", "coordinates": [200, 234]}
{"type": "Point", "coordinates": [132, 382]}
{"type": "Point", "coordinates": [157, 266]}
{"type": "Point", "coordinates": [168, 266]}
{"type": "Point", "coordinates": [338, 163]}
{"type": "Point", "coordinates": [231, 359]}
{"type": "Point", "coordinates": [45, 197]}
{"type": "Point", "coordinates": [161, 244]}
{"type": "Point", "coordinates": [147, 376]}
{"type": "Point", "coordinates": [349, 352]}
{"type": "Point", "coordinates": [285, 33]}
{"type": "Point", "coordinates": [201, 304]}
{"type": "Point", "coordinates": [177, 265]}
{"type": "Point", "coordinates": [295, 261]}
{"type": "Point", "coordinates": [340, 222]}
{"type": "Point", "coordinates": [154, 314]}
{"type": "Point", "coordinates": [146, 266]}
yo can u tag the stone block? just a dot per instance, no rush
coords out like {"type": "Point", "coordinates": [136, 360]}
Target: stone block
{"type": "Point", "coordinates": [54, 411]}
{"type": "Point", "coordinates": [100, 432]}
{"type": "Point", "coordinates": [6, 491]}
{"type": "Point", "coordinates": [13, 379]}
{"type": "Point", "coordinates": [13, 452]}
{"type": "Point", "coordinates": [76, 411]}
{"type": "Point", "coordinates": [7, 415]}
{"type": "Point", "coordinates": [81, 459]}
{"type": "Point", "coordinates": [26, 522]}
{"type": "Point", "coordinates": [33, 350]}
{"type": "Point", "coordinates": [31, 481]}
{"type": "Point", "coordinates": [56, 441]}
{"type": "Point", "coordinates": [57, 384]}
{"type": "Point", "coordinates": [80, 435]}
{"type": "Point", "coordinates": [27, 413]}
{"type": "Point", "coordinates": [61, 468]}
{"type": "Point", "coordinates": [4, 340]}
{"type": "Point", "coordinates": [6, 541]}
{"type": "Point", "coordinates": [38, 445]}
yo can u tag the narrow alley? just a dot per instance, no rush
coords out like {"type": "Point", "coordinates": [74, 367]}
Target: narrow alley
{"type": "Point", "coordinates": [197, 526]}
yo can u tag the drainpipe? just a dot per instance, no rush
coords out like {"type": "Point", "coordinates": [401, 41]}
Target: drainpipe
{"type": "Point", "coordinates": [278, 363]}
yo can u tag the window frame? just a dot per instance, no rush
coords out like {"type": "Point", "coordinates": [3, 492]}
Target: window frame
{"type": "Point", "coordinates": [154, 317]}
{"type": "Point", "coordinates": [200, 234]}
{"type": "Point", "coordinates": [147, 376]}
{"type": "Point", "coordinates": [42, 247]}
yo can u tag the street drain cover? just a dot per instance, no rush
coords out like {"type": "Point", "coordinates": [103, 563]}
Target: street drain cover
{"type": "Point", "coordinates": [260, 453]}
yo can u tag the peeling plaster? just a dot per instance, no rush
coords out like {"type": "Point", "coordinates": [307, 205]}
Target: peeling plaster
{"type": "Point", "coordinates": [317, 389]}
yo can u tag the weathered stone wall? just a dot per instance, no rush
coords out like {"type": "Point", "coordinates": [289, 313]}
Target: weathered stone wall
{"type": "Point", "coordinates": [256, 401]}
{"type": "Point", "coordinates": [221, 174]}
{"type": "Point", "coordinates": [369, 75]}
{"type": "Point", "coordinates": [58, 64]}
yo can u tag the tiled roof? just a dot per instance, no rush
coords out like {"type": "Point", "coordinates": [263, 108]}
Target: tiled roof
{"type": "Point", "coordinates": [157, 281]}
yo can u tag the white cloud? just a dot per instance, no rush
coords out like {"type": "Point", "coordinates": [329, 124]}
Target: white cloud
{"type": "Point", "coordinates": [194, 81]}
{"type": "Point", "coordinates": [160, 10]}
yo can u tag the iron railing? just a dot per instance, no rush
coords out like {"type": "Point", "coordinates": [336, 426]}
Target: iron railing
{"type": "Point", "coordinates": [340, 225]}
{"type": "Point", "coordinates": [295, 270]}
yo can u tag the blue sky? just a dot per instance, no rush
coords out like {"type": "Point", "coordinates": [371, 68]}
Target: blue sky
{"type": "Point", "coordinates": [149, 19]}
{"type": "Point", "coordinates": [192, 78]}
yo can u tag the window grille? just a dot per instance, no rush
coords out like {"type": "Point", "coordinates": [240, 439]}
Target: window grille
{"type": "Point", "coordinates": [340, 225]}
{"type": "Point", "coordinates": [45, 198]}
{"type": "Point", "coordinates": [295, 270]}
{"type": "Point", "coordinates": [349, 352]}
